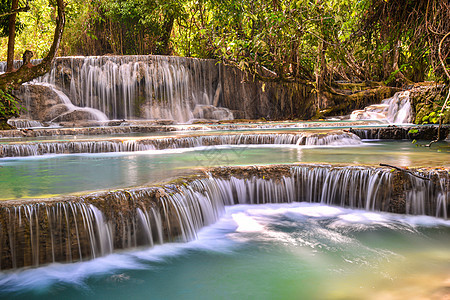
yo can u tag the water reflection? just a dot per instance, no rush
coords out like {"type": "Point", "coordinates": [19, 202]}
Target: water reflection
{"type": "Point", "coordinates": [62, 174]}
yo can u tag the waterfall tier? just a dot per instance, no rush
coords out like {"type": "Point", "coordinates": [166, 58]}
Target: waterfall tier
{"type": "Point", "coordinates": [396, 110]}
{"type": "Point", "coordinates": [82, 227]}
{"type": "Point", "coordinates": [132, 87]}
{"type": "Point", "coordinates": [142, 144]}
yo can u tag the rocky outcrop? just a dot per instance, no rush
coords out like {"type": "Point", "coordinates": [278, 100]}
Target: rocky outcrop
{"type": "Point", "coordinates": [340, 102]}
{"type": "Point", "coordinates": [427, 99]}
{"type": "Point", "coordinates": [41, 102]}
{"type": "Point", "coordinates": [182, 89]}
{"type": "Point", "coordinates": [250, 98]}
{"type": "Point", "coordinates": [394, 132]}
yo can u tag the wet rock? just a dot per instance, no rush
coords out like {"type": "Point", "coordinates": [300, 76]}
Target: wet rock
{"type": "Point", "coordinates": [75, 115]}
{"type": "Point", "coordinates": [55, 111]}
{"type": "Point", "coordinates": [211, 112]}
{"type": "Point", "coordinates": [427, 99]}
{"type": "Point", "coordinates": [39, 100]}
{"type": "Point", "coordinates": [402, 132]}
{"type": "Point", "coordinates": [271, 100]}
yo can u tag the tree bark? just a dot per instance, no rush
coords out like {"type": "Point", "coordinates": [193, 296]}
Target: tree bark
{"type": "Point", "coordinates": [28, 72]}
{"type": "Point", "coordinates": [167, 31]}
{"type": "Point", "coordinates": [11, 37]}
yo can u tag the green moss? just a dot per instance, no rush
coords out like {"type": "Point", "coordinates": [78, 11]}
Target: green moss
{"type": "Point", "coordinates": [427, 103]}
{"type": "Point", "coordinates": [5, 126]}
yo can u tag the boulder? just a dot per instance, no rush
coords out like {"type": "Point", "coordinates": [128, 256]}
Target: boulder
{"type": "Point", "coordinates": [211, 112]}
{"type": "Point", "coordinates": [80, 114]}
{"type": "Point", "coordinates": [37, 99]}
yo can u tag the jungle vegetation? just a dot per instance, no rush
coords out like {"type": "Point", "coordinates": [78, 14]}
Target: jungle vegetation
{"type": "Point", "coordinates": [395, 42]}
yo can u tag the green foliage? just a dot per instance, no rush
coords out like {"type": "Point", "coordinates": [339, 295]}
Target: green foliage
{"type": "Point", "coordinates": [278, 39]}
{"type": "Point", "coordinates": [9, 106]}
{"type": "Point", "coordinates": [120, 27]}
{"type": "Point", "coordinates": [287, 40]}
{"type": "Point", "coordinates": [5, 6]}
{"type": "Point", "coordinates": [434, 116]}
{"type": "Point", "coordinates": [37, 30]}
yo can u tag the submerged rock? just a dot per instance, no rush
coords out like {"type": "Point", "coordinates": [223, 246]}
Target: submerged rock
{"type": "Point", "coordinates": [76, 115]}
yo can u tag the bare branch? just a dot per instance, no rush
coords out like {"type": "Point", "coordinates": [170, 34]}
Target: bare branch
{"type": "Point", "coordinates": [406, 171]}
{"type": "Point", "coordinates": [15, 11]}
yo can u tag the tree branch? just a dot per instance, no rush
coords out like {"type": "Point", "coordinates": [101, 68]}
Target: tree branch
{"type": "Point", "coordinates": [406, 171]}
{"type": "Point", "coordinates": [15, 11]}
{"type": "Point", "coordinates": [26, 72]}
{"type": "Point", "coordinates": [440, 55]}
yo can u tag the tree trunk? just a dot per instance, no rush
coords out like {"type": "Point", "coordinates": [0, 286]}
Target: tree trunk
{"type": "Point", "coordinates": [27, 72]}
{"type": "Point", "coordinates": [11, 37]}
{"type": "Point", "coordinates": [167, 31]}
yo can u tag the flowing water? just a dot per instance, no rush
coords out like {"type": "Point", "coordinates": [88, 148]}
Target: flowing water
{"type": "Point", "coordinates": [396, 110]}
{"type": "Point", "coordinates": [130, 87]}
{"type": "Point", "coordinates": [214, 237]}
{"type": "Point", "coordinates": [270, 251]}
{"type": "Point", "coordinates": [16, 149]}
{"type": "Point", "coordinates": [38, 176]}
{"type": "Point", "coordinates": [90, 226]}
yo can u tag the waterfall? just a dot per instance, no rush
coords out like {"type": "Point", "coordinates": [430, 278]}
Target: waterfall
{"type": "Point", "coordinates": [81, 228]}
{"type": "Point", "coordinates": [22, 123]}
{"type": "Point", "coordinates": [140, 87]}
{"type": "Point", "coordinates": [63, 147]}
{"type": "Point", "coordinates": [92, 113]}
{"type": "Point", "coordinates": [396, 110]}
{"type": "Point", "coordinates": [428, 197]}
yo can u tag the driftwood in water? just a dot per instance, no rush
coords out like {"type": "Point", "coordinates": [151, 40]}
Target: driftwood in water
{"type": "Point", "coordinates": [406, 171]}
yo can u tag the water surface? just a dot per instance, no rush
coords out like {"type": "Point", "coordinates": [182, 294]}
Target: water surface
{"type": "Point", "coordinates": [273, 251]}
{"type": "Point", "coordinates": [48, 175]}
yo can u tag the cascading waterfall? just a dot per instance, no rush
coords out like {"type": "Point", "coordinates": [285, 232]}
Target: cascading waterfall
{"type": "Point", "coordinates": [94, 114]}
{"type": "Point", "coordinates": [80, 228]}
{"type": "Point", "coordinates": [21, 123]}
{"type": "Point", "coordinates": [428, 197]}
{"type": "Point", "coordinates": [41, 148]}
{"type": "Point", "coordinates": [396, 110]}
{"type": "Point", "coordinates": [148, 87]}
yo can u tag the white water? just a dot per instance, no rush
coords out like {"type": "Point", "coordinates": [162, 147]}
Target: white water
{"type": "Point", "coordinates": [328, 237]}
{"type": "Point", "coordinates": [395, 110]}
{"type": "Point", "coordinates": [65, 147]}
{"type": "Point", "coordinates": [23, 123]}
{"type": "Point", "coordinates": [95, 113]}
{"type": "Point", "coordinates": [149, 87]}
{"type": "Point", "coordinates": [76, 230]}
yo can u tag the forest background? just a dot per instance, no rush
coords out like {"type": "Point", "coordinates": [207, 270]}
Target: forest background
{"type": "Point", "coordinates": [318, 41]}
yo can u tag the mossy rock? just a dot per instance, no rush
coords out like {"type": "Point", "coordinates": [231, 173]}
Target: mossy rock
{"type": "Point", "coordinates": [5, 126]}
{"type": "Point", "coordinates": [342, 104]}
{"type": "Point", "coordinates": [352, 87]}
{"type": "Point", "coordinates": [428, 99]}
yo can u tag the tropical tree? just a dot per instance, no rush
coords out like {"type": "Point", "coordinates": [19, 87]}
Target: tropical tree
{"type": "Point", "coordinates": [13, 79]}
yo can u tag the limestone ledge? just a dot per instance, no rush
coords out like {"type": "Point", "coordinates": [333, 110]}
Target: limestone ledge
{"type": "Point", "coordinates": [267, 172]}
